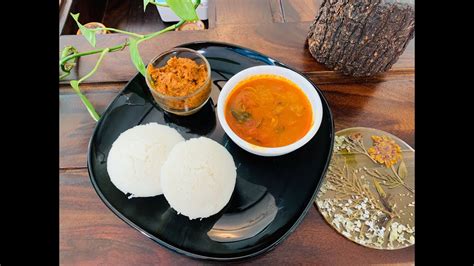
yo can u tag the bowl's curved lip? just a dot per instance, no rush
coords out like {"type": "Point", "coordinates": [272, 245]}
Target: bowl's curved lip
{"type": "Point", "coordinates": [191, 254]}
{"type": "Point", "coordinates": [306, 87]}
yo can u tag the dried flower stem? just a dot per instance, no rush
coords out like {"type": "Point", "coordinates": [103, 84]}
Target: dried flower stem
{"type": "Point", "coordinates": [357, 146]}
{"type": "Point", "coordinates": [346, 183]}
{"type": "Point", "coordinates": [392, 181]}
{"type": "Point", "coordinates": [401, 181]}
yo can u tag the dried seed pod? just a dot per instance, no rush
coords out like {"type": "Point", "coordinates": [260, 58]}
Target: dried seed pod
{"type": "Point", "coordinates": [361, 38]}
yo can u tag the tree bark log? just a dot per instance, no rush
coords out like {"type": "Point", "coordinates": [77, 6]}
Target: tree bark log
{"type": "Point", "coordinates": [361, 37]}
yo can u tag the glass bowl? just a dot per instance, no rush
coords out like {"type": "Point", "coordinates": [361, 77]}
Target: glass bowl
{"type": "Point", "coordinates": [180, 105]}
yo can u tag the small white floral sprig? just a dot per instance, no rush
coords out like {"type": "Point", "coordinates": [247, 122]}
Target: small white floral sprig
{"type": "Point", "coordinates": [358, 220]}
{"type": "Point", "coordinates": [398, 232]}
{"type": "Point", "coordinates": [350, 143]}
{"type": "Point", "coordinates": [339, 143]}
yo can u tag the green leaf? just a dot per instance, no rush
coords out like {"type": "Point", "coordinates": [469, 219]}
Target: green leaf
{"type": "Point", "coordinates": [87, 33]}
{"type": "Point", "coordinates": [67, 66]}
{"type": "Point", "coordinates": [135, 55]}
{"type": "Point", "coordinates": [402, 170]}
{"type": "Point", "coordinates": [75, 86]}
{"type": "Point", "coordinates": [183, 9]}
{"type": "Point", "coordinates": [68, 50]}
{"type": "Point", "coordinates": [85, 101]}
{"type": "Point", "coordinates": [145, 3]}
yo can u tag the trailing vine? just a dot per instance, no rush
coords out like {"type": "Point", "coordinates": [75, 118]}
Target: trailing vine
{"type": "Point", "coordinates": [184, 9]}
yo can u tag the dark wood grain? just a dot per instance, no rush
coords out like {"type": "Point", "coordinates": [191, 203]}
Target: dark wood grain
{"type": "Point", "coordinates": [90, 234]}
{"type": "Point", "coordinates": [129, 15]}
{"type": "Point", "coordinates": [211, 14]}
{"type": "Point", "coordinates": [76, 126]}
{"type": "Point", "coordinates": [283, 41]}
{"type": "Point", "coordinates": [300, 11]}
{"type": "Point", "coordinates": [277, 11]}
{"type": "Point", "coordinates": [240, 12]}
{"type": "Point", "coordinates": [64, 7]}
{"type": "Point", "coordinates": [90, 11]}
{"type": "Point", "coordinates": [332, 77]}
{"type": "Point", "coordinates": [388, 106]}
{"type": "Point", "coordinates": [120, 14]}
{"type": "Point", "coordinates": [384, 105]}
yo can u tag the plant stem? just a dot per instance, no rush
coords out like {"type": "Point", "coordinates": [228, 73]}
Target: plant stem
{"type": "Point", "coordinates": [172, 27]}
{"type": "Point", "coordinates": [401, 181]}
{"type": "Point", "coordinates": [154, 34]}
{"type": "Point", "coordinates": [120, 46]}
{"type": "Point", "coordinates": [103, 51]}
{"type": "Point", "coordinates": [85, 101]}
{"type": "Point", "coordinates": [123, 45]}
{"type": "Point", "coordinates": [96, 51]}
{"type": "Point", "coordinates": [65, 74]}
{"type": "Point", "coordinates": [120, 31]}
{"type": "Point", "coordinates": [368, 155]}
{"type": "Point", "coordinates": [106, 50]}
{"type": "Point", "coordinates": [198, 2]}
{"type": "Point", "coordinates": [89, 106]}
{"type": "Point", "coordinates": [165, 5]}
{"type": "Point", "coordinates": [73, 56]}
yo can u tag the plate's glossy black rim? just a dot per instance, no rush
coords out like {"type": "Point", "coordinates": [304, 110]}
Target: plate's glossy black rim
{"type": "Point", "coordinates": [191, 254]}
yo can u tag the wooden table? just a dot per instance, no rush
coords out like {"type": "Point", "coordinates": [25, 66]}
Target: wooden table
{"type": "Point", "coordinates": [92, 234]}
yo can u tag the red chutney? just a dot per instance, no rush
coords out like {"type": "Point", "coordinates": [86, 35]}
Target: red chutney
{"type": "Point", "coordinates": [268, 111]}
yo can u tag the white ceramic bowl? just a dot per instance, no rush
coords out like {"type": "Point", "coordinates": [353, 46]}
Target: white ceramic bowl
{"type": "Point", "coordinates": [299, 80]}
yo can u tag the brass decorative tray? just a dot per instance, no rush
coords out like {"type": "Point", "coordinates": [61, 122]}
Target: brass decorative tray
{"type": "Point", "coordinates": [368, 192]}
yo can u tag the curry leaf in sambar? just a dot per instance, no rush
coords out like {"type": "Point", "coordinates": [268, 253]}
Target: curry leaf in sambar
{"type": "Point", "coordinates": [240, 116]}
{"type": "Point", "coordinates": [183, 9]}
{"type": "Point", "coordinates": [87, 33]}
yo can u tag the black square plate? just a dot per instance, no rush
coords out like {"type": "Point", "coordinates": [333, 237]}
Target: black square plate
{"type": "Point", "coordinates": [272, 194]}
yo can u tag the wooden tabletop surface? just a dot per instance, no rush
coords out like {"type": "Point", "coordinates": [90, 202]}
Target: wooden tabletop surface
{"type": "Point", "coordinates": [90, 234]}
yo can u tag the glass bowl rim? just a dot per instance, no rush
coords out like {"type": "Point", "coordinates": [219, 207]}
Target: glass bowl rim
{"type": "Point", "coordinates": [208, 68]}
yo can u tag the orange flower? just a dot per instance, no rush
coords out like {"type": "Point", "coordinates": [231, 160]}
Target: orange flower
{"type": "Point", "coordinates": [385, 151]}
{"type": "Point", "coordinates": [356, 137]}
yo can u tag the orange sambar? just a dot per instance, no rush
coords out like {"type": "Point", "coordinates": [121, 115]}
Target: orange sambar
{"type": "Point", "coordinates": [268, 111]}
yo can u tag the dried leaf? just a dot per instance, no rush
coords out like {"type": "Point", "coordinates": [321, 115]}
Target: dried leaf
{"type": "Point", "coordinates": [379, 189]}
{"type": "Point", "coordinates": [402, 170]}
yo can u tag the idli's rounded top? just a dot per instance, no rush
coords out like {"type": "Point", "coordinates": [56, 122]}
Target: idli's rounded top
{"type": "Point", "coordinates": [135, 159]}
{"type": "Point", "coordinates": [198, 177]}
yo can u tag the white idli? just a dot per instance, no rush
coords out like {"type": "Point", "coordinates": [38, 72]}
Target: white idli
{"type": "Point", "coordinates": [198, 177]}
{"type": "Point", "coordinates": [135, 159]}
